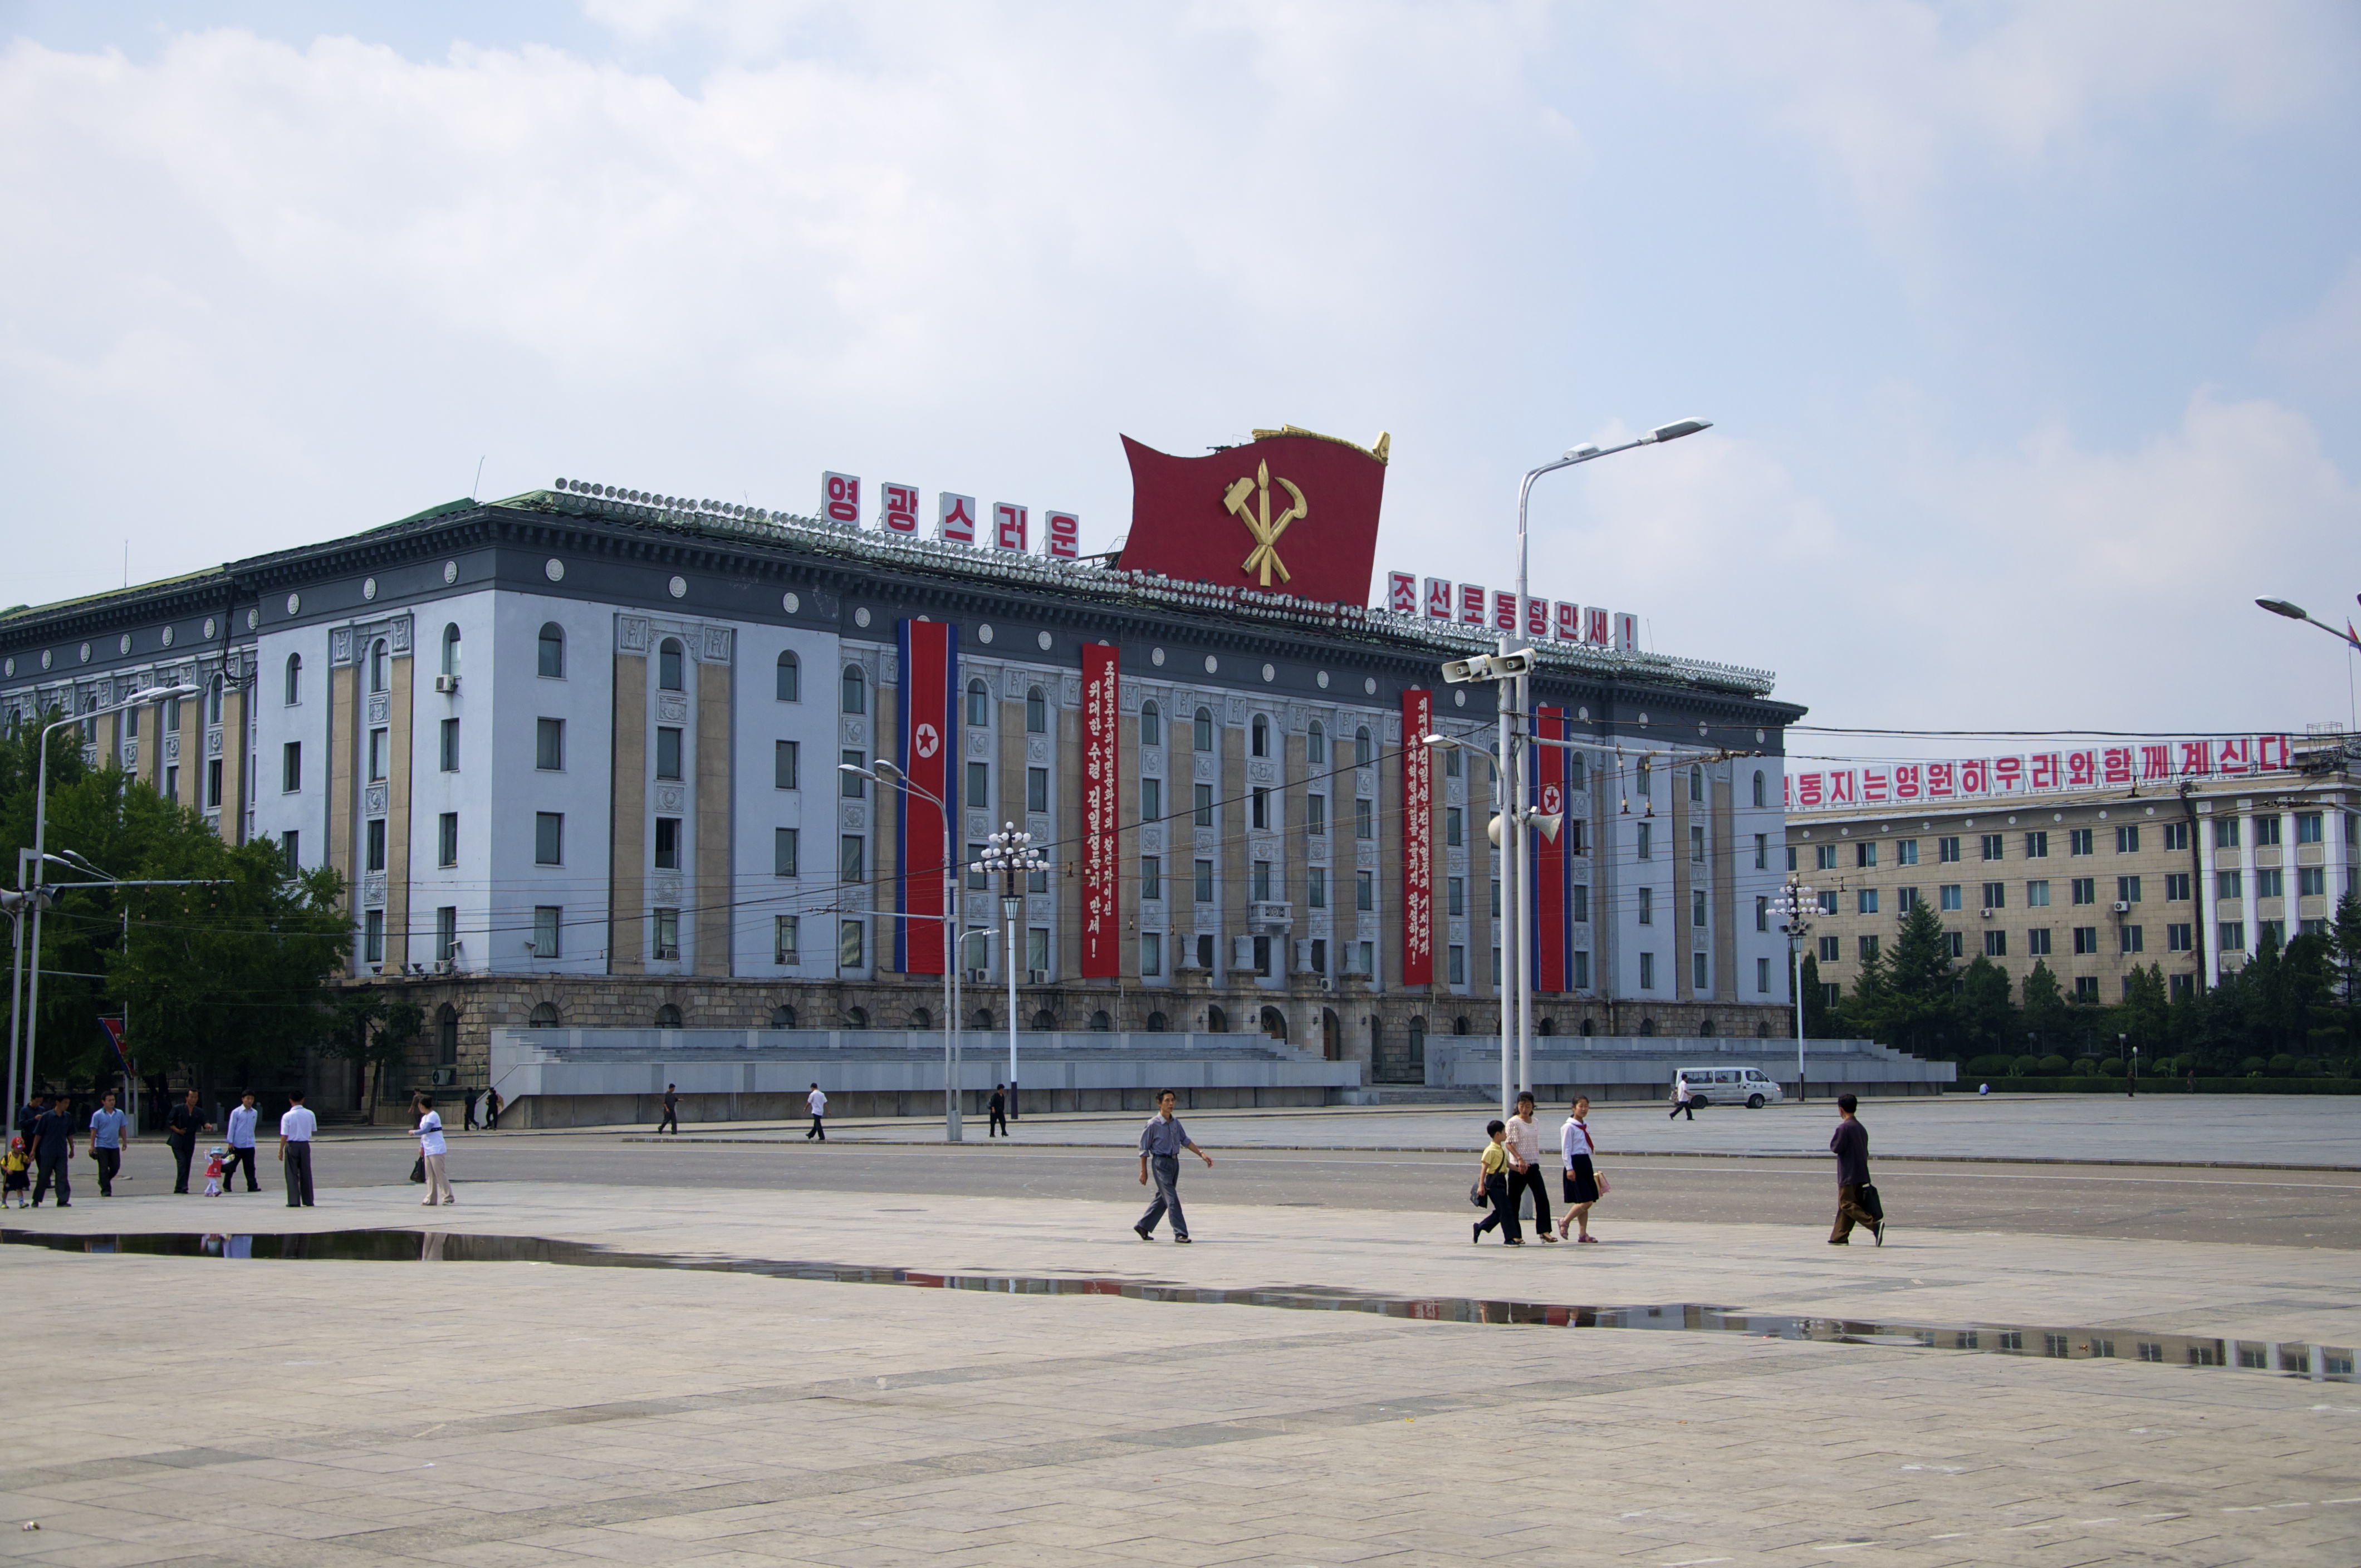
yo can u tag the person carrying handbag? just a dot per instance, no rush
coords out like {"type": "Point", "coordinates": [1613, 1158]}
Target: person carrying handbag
{"type": "Point", "coordinates": [1493, 1174]}
{"type": "Point", "coordinates": [430, 1153]}
{"type": "Point", "coordinates": [1583, 1185]}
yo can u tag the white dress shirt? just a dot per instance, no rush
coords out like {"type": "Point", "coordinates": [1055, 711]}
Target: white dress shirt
{"type": "Point", "coordinates": [1574, 1138]}
{"type": "Point", "coordinates": [298, 1125]}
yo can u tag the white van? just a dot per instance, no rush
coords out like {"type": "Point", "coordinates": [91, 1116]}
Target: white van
{"type": "Point", "coordinates": [1729, 1086]}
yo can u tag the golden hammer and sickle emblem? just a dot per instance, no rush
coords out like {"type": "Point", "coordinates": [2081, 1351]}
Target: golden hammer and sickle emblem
{"type": "Point", "coordinates": [1264, 558]}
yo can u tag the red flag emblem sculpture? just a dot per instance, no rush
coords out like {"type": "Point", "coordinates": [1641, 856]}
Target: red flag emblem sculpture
{"type": "Point", "coordinates": [1289, 512]}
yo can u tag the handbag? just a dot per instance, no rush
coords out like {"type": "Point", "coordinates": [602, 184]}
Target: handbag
{"type": "Point", "coordinates": [418, 1171]}
{"type": "Point", "coordinates": [1476, 1195]}
{"type": "Point", "coordinates": [1605, 1187]}
{"type": "Point", "coordinates": [1872, 1202]}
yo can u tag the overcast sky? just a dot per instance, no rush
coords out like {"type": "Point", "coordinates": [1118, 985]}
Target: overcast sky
{"type": "Point", "coordinates": [2032, 334]}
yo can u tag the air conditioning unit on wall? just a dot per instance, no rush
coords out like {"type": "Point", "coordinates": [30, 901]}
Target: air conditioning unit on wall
{"type": "Point", "coordinates": [1037, 977]}
{"type": "Point", "coordinates": [448, 684]}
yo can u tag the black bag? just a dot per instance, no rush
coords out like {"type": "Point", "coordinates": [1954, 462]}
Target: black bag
{"type": "Point", "coordinates": [1871, 1201]}
{"type": "Point", "coordinates": [1476, 1195]}
{"type": "Point", "coordinates": [418, 1171]}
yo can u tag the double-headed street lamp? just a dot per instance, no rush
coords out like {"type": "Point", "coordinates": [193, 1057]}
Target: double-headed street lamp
{"type": "Point", "coordinates": [1011, 853]}
{"type": "Point", "coordinates": [901, 781]}
{"type": "Point", "coordinates": [1795, 905]}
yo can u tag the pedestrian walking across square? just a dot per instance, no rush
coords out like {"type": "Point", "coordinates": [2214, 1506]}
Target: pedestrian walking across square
{"type": "Point", "coordinates": [819, 1105]}
{"type": "Point", "coordinates": [295, 1132]}
{"type": "Point", "coordinates": [430, 1153]}
{"type": "Point", "coordinates": [1160, 1142]}
{"type": "Point", "coordinates": [1524, 1143]}
{"type": "Point", "coordinates": [1850, 1144]}
{"type": "Point", "coordinates": [110, 1135]}
{"type": "Point", "coordinates": [241, 1143]}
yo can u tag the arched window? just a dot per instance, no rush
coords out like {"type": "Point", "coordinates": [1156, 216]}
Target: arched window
{"type": "Point", "coordinates": [1260, 734]}
{"type": "Point", "coordinates": [1151, 724]}
{"type": "Point", "coordinates": [446, 1036]}
{"type": "Point", "coordinates": [667, 1016]}
{"type": "Point", "coordinates": [1763, 1030]}
{"type": "Point", "coordinates": [545, 1015]}
{"type": "Point", "coordinates": [790, 677]}
{"type": "Point", "coordinates": [856, 690]}
{"type": "Point", "coordinates": [1315, 743]}
{"type": "Point", "coordinates": [1037, 712]}
{"type": "Point", "coordinates": [1459, 1024]}
{"type": "Point", "coordinates": [668, 662]}
{"type": "Point", "coordinates": [1216, 1020]}
{"type": "Point", "coordinates": [1587, 1026]}
{"type": "Point", "coordinates": [451, 649]}
{"type": "Point", "coordinates": [1365, 750]}
{"type": "Point", "coordinates": [1549, 1027]}
{"type": "Point", "coordinates": [552, 650]}
{"type": "Point", "coordinates": [214, 700]}
{"type": "Point", "coordinates": [1101, 1022]}
{"type": "Point", "coordinates": [1417, 1044]}
{"type": "Point", "coordinates": [1274, 1023]}
{"type": "Point", "coordinates": [856, 1017]}
{"type": "Point", "coordinates": [1647, 1025]}
{"type": "Point", "coordinates": [1044, 1021]}
{"type": "Point", "coordinates": [983, 1019]}
{"type": "Point", "coordinates": [1158, 1023]}
{"type": "Point", "coordinates": [1204, 727]}
{"type": "Point", "coordinates": [1759, 799]}
{"type": "Point", "coordinates": [1704, 1028]}
{"type": "Point", "coordinates": [979, 703]}
{"type": "Point", "coordinates": [294, 680]}
{"type": "Point", "coordinates": [376, 662]}
{"type": "Point", "coordinates": [921, 1019]}
{"type": "Point", "coordinates": [1696, 784]}
{"type": "Point", "coordinates": [783, 1016]}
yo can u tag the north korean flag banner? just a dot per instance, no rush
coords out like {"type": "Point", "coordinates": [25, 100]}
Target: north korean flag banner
{"type": "Point", "coordinates": [1102, 788]}
{"type": "Point", "coordinates": [1418, 837]}
{"type": "Point", "coordinates": [1547, 860]}
{"type": "Point", "coordinates": [930, 725]}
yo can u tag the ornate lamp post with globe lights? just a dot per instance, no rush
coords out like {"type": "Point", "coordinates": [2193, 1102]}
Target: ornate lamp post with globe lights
{"type": "Point", "coordinates": [1011, 853]}
{"type": "Point", "coordinates": [1795, 905]}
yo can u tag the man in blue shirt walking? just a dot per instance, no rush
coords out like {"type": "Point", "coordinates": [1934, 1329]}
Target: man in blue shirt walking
{"type": "Point", "coordinates": [1160, 1142]}
{"type": "Point", "coordinates": [110, 1135]}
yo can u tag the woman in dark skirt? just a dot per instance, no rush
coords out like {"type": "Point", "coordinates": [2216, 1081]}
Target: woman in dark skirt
{"type": "Point", "coordinates": [1581, 1180]}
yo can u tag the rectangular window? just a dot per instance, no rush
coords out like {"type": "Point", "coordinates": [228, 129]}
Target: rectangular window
{"type": "Point", "coordinates": [1457, 973]}
{"type": "Point", "coordinates": [1791, 857]}
{"type": "Point", "coordinates": [1315, 886]}
{"type": "Point", "coordinates": [1036, 789]}
{"type": "Point", "coordinates": [1996, 944]}
{"type": "Point", "coordinates": [2225, 832]}
{"type": "Point", "coordinates": [786, 850]}
{"type": "Point", "coordinates": [1906, 852]}
{"type": "Point", "coordinates": [2231, 935]}
{"type": "Point", "coordinates": [2084, 890]}
{"type": "Point", "coordinates": [1151, 954]}
{"type": "Point", "coordinates": [1203, 890]}
{"type": "Point", "coordinates": [1955, 943]}
{"type": "Point", "coordinates": [1319, 955]}
{"type": "Point", "coordinates": [786, 939]}
{"type": "Point", "coordinates": [1947, 849]}
{"type": "Point", "coordinates": [1315, 816]}
{"type": "Point", "coordinates": [2175, 835]}
{"type": "Point", "coordinates": [1996, 895]}
{"type": "Point", "coordinates": [2037, 895]}
{"type": "Point", "coordinates": [666, 939]}
{"type": "Point", "coordinates": [851, 786]}
{"type": "Point", "coordinates": [2128, 890]}
{"type": "Point", "coordinates": [2229, 884]}
{"type": "Point", "coordinates": [2132, 938]}
{"type": "Point", "coordinates": [1696, 845]}
{"type": "Point", "coordinates": [548, 919]}
{"type": "Point", "coordinates": [291, 768]}
{"type": "Point", "coordinates": [1647, 971]}
{"type": "Point", "coordinates": [977, 880]}
{"type": "Point", "coordinates": [1582, 901]}
{"type": "Point", "coordinates": [1151, 878]}
{"type": "Point", "coordinates": [1365, 891]}
{"type": "Point", "coordinates": [1644, 835]}
{"type": "Point", "coordinates": [851, 940]}
{"type": "Point", "coordinates": [1369, 959]}
{"type": "Point", "coordinates": [2086, 988]}
{"type": "Point", "coordinates": [549, 744]}
{"type": "Point", "coordinates": [2037, 942]}
{"type": "Point", "coordinates": [2177, 939]}
{"type": "Point", "coordinates": [668, 752]}
{"type": "Point", "coordinates": [290, 852]}
{"type": "Point", "coordinates": [979, 787]}
{"type": "Point", "coordinates": [852, 859]}
{"type": "Point", "coordinates": [2271, 931]}
{"type": "Point", "coordinates": [548, 837]}
{"type": "Point", "coordinates": [1647, 901]}
{"type": "Point", "coordinates": [446, 933]}
{"type": "Point", "coordinates": [2078, 840]}
{"type": "Point", "coordinates": [1453, 831]}
{"type": "Point", "coordinates": [1698, 972]}
{"type": "Point", "coordinates": [1451, 762]}
{"type": "Point", "coordinates": [1824, 857]}
{"type": "Point", "coordinates": [1905, 899]}
{"type": "Point", "coordinates": [377, 747]}
{"type": "Point", "coordinates": [1991, 845]}
{"type": "Point", "coordinates": [1364, 820]}
{"type": "Point", "coordinates": [1259, 804]}
{"type": "Point", "coordinates": [1454, 895]}
{"type": "Point", "coordinates": [2184, 987]}
{"type": "Point", "coordinates": [2036, 846]}
{"type": "Point", "coordinates": [1831, 948]}
{"type": "Point", "coordinates": [1762, 914]}
{"type": "Point", "coordinates": [1828, 901]}
{"type": "Point", "coordinates": [446, 840]}
{"type": "Point", "coordinates": [1947, 897]}
{"type": "Point", "coordinates": [1261, 884]}
{"type": "Point", "coordinates": [2086, 940]}
{"type": "Point", "coordinates": [1866, 947]}
{"type": "Point", "coordinates": [1763, 977]}
{"type": "Point", "coordinates": [373, 936]}
{"type": "Point", "coordinates": [2267, 831]}
{"type": "Point", "coordinates": [374, 837]}
{"type": "Point", "coordinates": [667, 843]}
{"type": "Point", "coordinates": [1762, 851]}
{"type": "Point", "coordinates": [2176, 887]}
{"type": "Point", "coordinates": [1864, 855]}
{"type": "Point", "coordinates": [2270, 883]}
{"type": "Point", "coordinates": [1696, 907]}
{"type": "Point", "coordinates": [1864, 901]}
{"type": "Point", "coordinates": [173, 783]}
{"type": "Point", "coordinates": [1581, 971]}
{"type": "Point", "coordinates": [450, 746]}
{"type": "Point", "coordinates": [1151, 797]}
{"type": "Point", "coordinates": [1202, 799]}
{"type": "Point", "coordinates": [1036, 949]}
{"type": "Point", "coordinates": [2312, 882]}
{"type": "Point", "coordinates": [2127, 841]}
{"type": "Point", "coordinates": [788, 765]}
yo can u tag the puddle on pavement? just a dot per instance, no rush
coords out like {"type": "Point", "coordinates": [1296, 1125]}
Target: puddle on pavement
{"type": "Point", "coordinates": [2290, 1358]}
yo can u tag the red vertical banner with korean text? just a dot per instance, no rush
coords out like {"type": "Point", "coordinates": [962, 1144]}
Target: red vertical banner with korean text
{"type": "Point", "coordinates": [1552, 931]}
{"type": "Point", "coordinates": [1418, 837]}
{"type": "Point", "coordinates": [1102, 788]}
{"type": "Point", "coordinates": [929, 655]}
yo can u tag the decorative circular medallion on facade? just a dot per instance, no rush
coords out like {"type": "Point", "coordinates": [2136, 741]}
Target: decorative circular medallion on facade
{"type": "Point", "coordinates": [2057, 817]}
{"type": "Point", "coordinates": [1155, 657]}
{"type": "Point", "coordinates": [1369, 686]}
{"type": "Point", "coordinates": [1758, 736]}
{"type": "Point", "coordinates": [1459, 699]}
{"type": "Point", "coordinates": [45, 658]}
{"type": "Point", "coordinates": [984, 633]}
{"type": "Point", "coordinates": [450, 572]}
{"type": "Point", "coordinates": [1323, 678]}
{"type": "Point", "coordinates": [86, 653]}
{"type": "Point", "coordinates": [2011, 821]}
{"type": "Point", "coordinates": [1700, 729]}
{"type": "Point", "coordinates": [368, 588]}
{"type": "Point", "coordinates": [253, 618]}
{"type": "Point", "coordinates": [168, 637]}
{"type": "Point", "coordinates": [294, 604]}
{"type": "Point", "coordinates": [678, 587]}
{"type": "Point", "coordinates": [1643, 721]}
{"type": "Point", "coordinates": [1044, 640]}
{"type": "Point", "coordinates": [2151, 811]}
{"type": "Point", "coordinates": [125, 645]}
{"type": "Point", "coordinates": [208, 628]}
{"type": "Point", "coordinates": [1269, 675]}
{"type": "Point", "coordinates": [861, 616]}
{"type": "Point", "coordinates": [2103, 816]}
{"type": "Point", "coordinates": [1213, 666]}
{"type": "Point", "coordinates": [1583, 714]}
{"type": "Point", "coordinates": [11, 668]}
{"type": "Point", "coordinates": [790, 603]}
{"type": "Point", "coordinates": [553, 569]}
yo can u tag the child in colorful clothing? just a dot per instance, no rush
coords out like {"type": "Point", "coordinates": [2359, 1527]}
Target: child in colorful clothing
{"type": "Point", "coordinates": [216, 1161]}
{"type": "Point", "coordinates": [17, 1182]}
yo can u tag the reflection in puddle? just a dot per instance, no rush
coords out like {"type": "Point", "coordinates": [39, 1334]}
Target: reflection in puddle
{"type": "Point", "coordinates": [2320, 1363]}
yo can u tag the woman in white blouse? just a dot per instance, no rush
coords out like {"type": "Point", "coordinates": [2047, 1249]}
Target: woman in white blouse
{"type": "Point", "coordinates": [1582, 1188]}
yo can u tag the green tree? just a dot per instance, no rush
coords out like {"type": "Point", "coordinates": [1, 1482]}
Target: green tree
{"type": "Point", "coordinates": [1987, 1018]}
{"type": "Point", "coordinates": [2344, 938]}
{"type": "Point", "coordinates": [2046, 1007]}
{"type": "Point", "coordinates": [2147, 1014]}
{"type": "Point", "coordinates": [1819, 1021]}
{"type": "Point", "coordinates": [375, 1033]}
{"type": "Point", "coordinates": [1912, 1005]}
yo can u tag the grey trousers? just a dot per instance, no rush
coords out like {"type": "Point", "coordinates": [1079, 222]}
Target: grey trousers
{"type": "Point", "coordinates": [1165, 1170]}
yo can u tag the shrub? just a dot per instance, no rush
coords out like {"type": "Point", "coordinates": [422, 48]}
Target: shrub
{"type": "Point", "coordinates": [2088, 1066]}
{"type": "Point", "coordinates": [2053, 1067]}
{"type": "Point", "coordinates": [2254, 1066]}
{"type": "Point", "coordinates": [2025, 1067]}
{"type": "Point", "coordinates": [2282, 1066]}
{"type": "Point", "coordinates": [2309, 1068]}
{"type": "Point", "coordinates": [2114, 1067]}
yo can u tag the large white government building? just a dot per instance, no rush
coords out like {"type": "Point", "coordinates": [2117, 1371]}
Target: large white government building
{"type": "Point", "coordinates": [576, 754]}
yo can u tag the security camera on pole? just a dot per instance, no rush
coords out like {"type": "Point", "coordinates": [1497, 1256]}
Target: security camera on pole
{"type": "Point", "coordinates": [1794, 906]}
{"type": "Point", "coordinates": [1011, 853]}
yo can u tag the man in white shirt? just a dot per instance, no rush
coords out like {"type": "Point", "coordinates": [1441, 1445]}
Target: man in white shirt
{"type": "Point", "coordinates": [295, 1130]}
{"type": "Point", "coordinates": [1524, 1144]}
{"type": "Point", "coordinates": [818, 1103]}
{"type": "Point", "coordinates": [241, 1144]}
{"type": "Point", "coordinates": [430, 1153]}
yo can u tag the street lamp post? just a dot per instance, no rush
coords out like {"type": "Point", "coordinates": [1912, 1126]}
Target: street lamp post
{"type": "Point", "coordinates": [1011, 853]}
{"type": "Point", "coordinates": [29, 1018]}
{"type": "Point", "coordinates": [901, 781]}
{"type": "Point", "coordinates": [1793, 905]}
